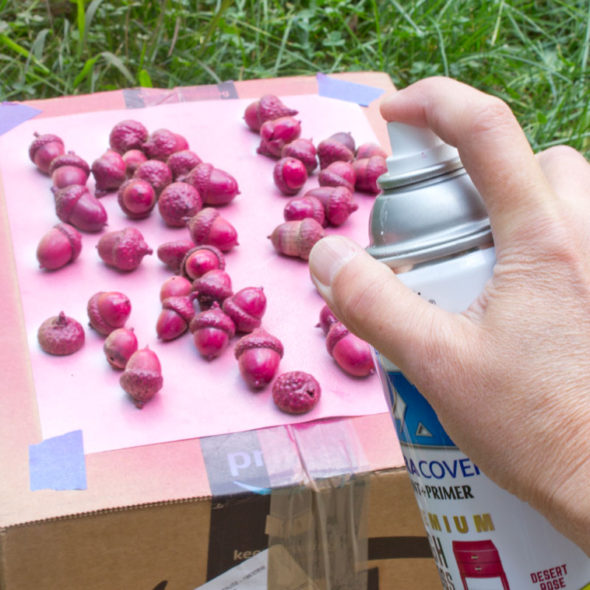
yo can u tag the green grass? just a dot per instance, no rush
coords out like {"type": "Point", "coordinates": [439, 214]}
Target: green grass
{"type": "Point", "coordinates": [534, 54]}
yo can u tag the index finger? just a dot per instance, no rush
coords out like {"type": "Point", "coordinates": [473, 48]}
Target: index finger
{"type": "Point", "coordinates": [491, 143]}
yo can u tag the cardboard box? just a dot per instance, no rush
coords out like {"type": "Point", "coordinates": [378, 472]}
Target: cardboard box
{"type": "Point", "coordinates": [176, 514]}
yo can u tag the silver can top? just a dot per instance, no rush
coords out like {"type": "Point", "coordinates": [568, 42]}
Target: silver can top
{"type": "Point", "coordinates": [429, 207]}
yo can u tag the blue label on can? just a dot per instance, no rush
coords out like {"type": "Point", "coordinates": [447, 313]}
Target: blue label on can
{"type": "Point", "coordinates": [415, 421]}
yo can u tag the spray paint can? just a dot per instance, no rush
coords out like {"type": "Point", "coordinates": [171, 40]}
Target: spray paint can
{"type": "Point", "coordinates": [430, 225]}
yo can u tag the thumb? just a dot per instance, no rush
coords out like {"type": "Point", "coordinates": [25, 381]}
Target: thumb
{"type": "Point", "coordinates": [368, 297]}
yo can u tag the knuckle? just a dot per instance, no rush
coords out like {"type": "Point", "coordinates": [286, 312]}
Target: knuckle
{"type": "Point", "coordinates": [491, 115]}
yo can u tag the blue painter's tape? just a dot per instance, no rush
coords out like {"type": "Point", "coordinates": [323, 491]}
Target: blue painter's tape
{"type": "Point", "coordinates": [351, 91]}
{"type": "Point", "coordinates": [13, 114]}
{"type": "Point", "coordinates": [58, 463]}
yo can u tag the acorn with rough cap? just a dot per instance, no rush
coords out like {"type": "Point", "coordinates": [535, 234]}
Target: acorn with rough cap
{"type": "Point", "coordinates": [126, 135]}
{"type": "Point", "coordinates": [296, 392]}
{"type": "Point", "coordinates": [123, 249]}
{"type": "Point", "coordinates": [213, 287]}
{"type": "Point", "coordinates": [367, 171]}
{"type": "Point", "coordinates": [259, 354]}
{"type": "Point", "coordinates": [208, 226]}
{"type": "Point", "coordinates": [181, 163]}
{"type": "Point", "coordinates": [76, 205]}
{"type": "Point", "coordinates": [216, 186]}
{"type": "Point", "coordinates": [172, 253]}
{"type": "Point", "coordinates": [175, 317]}
{"type": "Point", "coordinates": [142, 377]}
{"type": "Point", "coordinates": [60, 335]}
{"type": "Point", "coordinates": [338, 203]}
{"type": "Point", "coordinates": [44, 149]}
{"type": "Point", "coordinates": [352, 354]}
{"type": "Point", "coordinates": [246, 308]}
{"type": "Point", "coordinates": [201, 259]}
{"type": "Point", "coordinates": [277, 133]}
{"type": "Point", "coordinates": [338, 173]}
{"type": "Point", "coordinates": [156, 172]}
{"type": "Point", "coordinates": [162, 143]}
{"type": "Point", "coordinates": [264, 109]}
{"type": "Point", "coordinates": [296, 238]}
{"type": "Point", "coordinates": [108, 310]}
{"type": "Point", "coordinates": [339, 147]}
{"type": "Point", "coordinates": [61, 245]}
{"type": "Point", "coordinates": [109, 171]}
{"type": "Point", "coordinates": [177, 201]}
{"type": "Point", "coordinates": [69, 168]}
{"type": "Point", "coordinates": [305, 206]}
{"type": "Point", "coordinates": [212, 331]}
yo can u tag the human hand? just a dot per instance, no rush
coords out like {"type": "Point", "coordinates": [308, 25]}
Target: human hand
{"type": "Point", "coordinates": [517, 362]}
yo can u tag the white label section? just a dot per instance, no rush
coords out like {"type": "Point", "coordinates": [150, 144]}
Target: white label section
{"type": "Point", "coordinates": [481, 536]}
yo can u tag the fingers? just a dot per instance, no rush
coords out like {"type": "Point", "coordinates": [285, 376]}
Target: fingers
{"type": "Point", "coordinates": [493, 148]}
{"type": "Point", "coordinates": [369, 298]}
{"type": "Point", "coordinates": [567, 171]}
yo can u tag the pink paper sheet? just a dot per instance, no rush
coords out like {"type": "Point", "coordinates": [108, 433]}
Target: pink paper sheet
{"type": "Point", "coordinates": [199, 398]}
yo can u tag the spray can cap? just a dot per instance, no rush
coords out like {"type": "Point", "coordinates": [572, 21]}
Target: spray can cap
{"type": "Point", "coordinates": [417, 154]}
{"type": "Point", "coordinates": [429, 207]}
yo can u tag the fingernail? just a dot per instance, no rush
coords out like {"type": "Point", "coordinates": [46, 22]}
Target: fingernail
{"type": "Point", "coordinates": [327, 257]}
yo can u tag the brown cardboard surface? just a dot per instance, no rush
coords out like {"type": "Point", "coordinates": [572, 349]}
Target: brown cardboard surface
{"type": "Point", "coordinates": [145, 516]}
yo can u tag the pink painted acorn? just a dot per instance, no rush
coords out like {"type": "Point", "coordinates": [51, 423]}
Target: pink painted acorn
{"type": "Point", "coordinates": [216, 186]}
{"type": "Point", "coordinates": [208, 226]}
{"type": "Point", "coordinates": [296, 238]}
{"type": "Point", "coordinates": [172, 253]}
{"type": "Point", "coordinates": [338, 174]}
{"type": "Point", "coordinates": [109, 171]}
{"type": "Point", "coordinates": [259, 354]}
{"type": "Point", "coordinates": [277, 133]}
{"type": "Point", "coordinates": [289, 175]}
{"type": "Point", "coordinates": [156, 172]}
{"type": "Point", "coordinates": [61, 245]}
{"type": "Point", "coordinates": [69, 168]}
{"type": "Point", "coordinates": [60, 335]}
{"type": "Point", "coordinates": [366, 150]}
{"type": "Point", "coordinates": [137, 198]}
{"type": "Point", "coordinates": [212, 331]}
{"type": "Point", "coordinates": [126, 135]}
{"type": "Point", "coordinates": [246, 308]}
{"type": "Point", "coordinates": [175, 286]}
{"type": "Point", "coordinates": [266, 108]}
{"type": "Point", "coordinates": [339, 147]}
{"type": "Point", "coordinates": [201, 259]}
{"type": "Point", "coordinates": [77, 206]}
{"type": "Point", "coordinates": [162, 143]}
{"type": "Point", "coordinates": [296, 392]}
{"type": "Point", "coordinates": [338, 202]}
{"type": "Point", "coordinates": [118, 347]}
{"type": "Point", "coordinates": [352, 354]}
{"type": "Point", "coordinates": [132, 159]}
{"type": "Point", "coordinates": [303, 149]}
{"type": "Point", "coordinates": [44, 149]}
{"type": "Point", "coordinates": [175, 317]}
{"type": "Point", "coordinates": [177, 201]}
{"type": "Point", "coordinates": [142, 377]}
{"type": "Point", "coordinates": [108, 310]}
{"type": "Point", "coordinates": [367, 171]}
{"type": "Point", "coordinates": [327, 318]}
{"type": "Point", "coordinates": [181, 163]}
{"type": "Point", "coordinates": [305, 206]}
{"type": "Point", "coordinates": [123, 249]}
{"type": "Point", "coordinates": [212, 287]}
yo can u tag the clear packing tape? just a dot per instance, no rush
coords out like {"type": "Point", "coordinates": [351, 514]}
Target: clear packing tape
{"type": "Point", "coordinates": [318, 529]}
